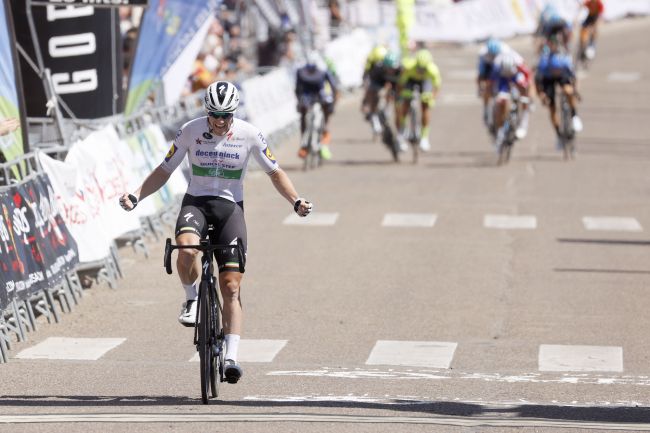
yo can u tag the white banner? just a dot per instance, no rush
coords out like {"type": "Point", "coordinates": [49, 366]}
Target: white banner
{"type": "Point", "coordinates": [270, 101]}
{"type": "Point", "coordinates": [349, 56]}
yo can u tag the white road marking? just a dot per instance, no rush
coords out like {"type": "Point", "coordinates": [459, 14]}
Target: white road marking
{"type": "Point", "coordinates": [255, 350]}
{"type": "Point", "coordinates": [409, 220]}
{"type": "Point", "coordinates": [624, 77]}
{"type": "Point", "coordinates": [510, 221]}
{"type": "Point", "coordinates": [71, 348]}
{"type": "Point", "coordinates": [580, 358]}
{"type": "Point", "coordinates": [612, 223]}
{"type": "Point", "coordinates": [574, 378]}
{"type": "Point", "coordinates": [315, 219]}
{"type": "Point", "coordinates": [431, 354]}
{"type": "Point", "coordinates": [467, 421]}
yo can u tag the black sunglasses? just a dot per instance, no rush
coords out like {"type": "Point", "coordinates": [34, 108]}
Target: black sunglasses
{"type": "Point", "coordinates": [217, 115]}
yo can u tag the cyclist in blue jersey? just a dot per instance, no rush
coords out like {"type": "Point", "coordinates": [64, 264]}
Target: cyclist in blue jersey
{"type": "Point", "coordinates": [555, 69]}
{"type": "Point", "coordinates": [218, 148]}
{"type": "Point", "coordinates": [556, 27]}
{"type": "Point", "coordinates": [315, 82]}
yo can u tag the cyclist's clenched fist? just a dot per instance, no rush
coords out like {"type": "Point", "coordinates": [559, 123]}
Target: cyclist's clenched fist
{"type": "Point", "coordinates": [128, 201]}
{"type": "Point", "coordinates": [302, 207]}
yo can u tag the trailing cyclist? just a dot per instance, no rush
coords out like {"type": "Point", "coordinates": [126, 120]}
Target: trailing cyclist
{"type": "Point", "coordinates": [381, 72]}
{"type": "Point", "coordinates": [589, 29]}
{"type": "Point", "coordinates": [557, 28]}
{"type": "Point", "coordinates": [218, 148]}
{"type": "Point", "coordinates": [509, 72]}
{"type": "Point", "coordinates": [418, 71]}
{"type": "Point", "coordinates": [555, 69]}
{"type": "Point", "coordinates": [487, 55]}
{"type": "Point", "coordinates": [314, 82]}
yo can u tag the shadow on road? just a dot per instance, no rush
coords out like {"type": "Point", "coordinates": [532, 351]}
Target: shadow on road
{"type": "Point", "coordinates": [625, 414]}
{"type": "Point", "coordinates": [605, 242]}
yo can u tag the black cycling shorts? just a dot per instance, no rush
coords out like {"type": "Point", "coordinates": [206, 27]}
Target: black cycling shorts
{"type": "Point", "coordinates": [227, 220]}
{"type": "Point", "coordinates": [590, 20]}
{"type": "Point", "coordinates": [548, 86]}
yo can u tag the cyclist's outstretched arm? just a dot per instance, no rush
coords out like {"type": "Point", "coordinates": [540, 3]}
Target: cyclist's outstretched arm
{"type": "Point", "coordinates": [152, 183]}
{"type": "Point", "coordinates": [285, 187]}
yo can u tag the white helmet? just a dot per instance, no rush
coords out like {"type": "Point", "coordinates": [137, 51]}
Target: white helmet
{"type": "Point", "coordinates": [221, 96]}
{"type": "Point", "coordinates": [507, 64]}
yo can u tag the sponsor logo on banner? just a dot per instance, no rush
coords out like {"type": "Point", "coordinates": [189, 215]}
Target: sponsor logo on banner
{"type": "Point", "coordinates": [36, 248]}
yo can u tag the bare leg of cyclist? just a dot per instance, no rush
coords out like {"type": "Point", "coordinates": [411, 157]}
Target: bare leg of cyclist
{"type": "Point", "coordinates": [189, 270]}
{"type": "Point", "coordinates": [501, 108]}
{"type": "Point", "coordinates": [230, 283]}
{"type": "Point", "coordinates": [401, 109]}
{"type": "Point", "coordinates": [569, 90]}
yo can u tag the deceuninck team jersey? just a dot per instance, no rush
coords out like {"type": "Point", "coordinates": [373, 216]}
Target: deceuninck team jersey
{"type": "Point", "coordinates": [218, 164]}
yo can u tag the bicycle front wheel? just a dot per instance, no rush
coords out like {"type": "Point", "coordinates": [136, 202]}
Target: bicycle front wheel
{"type": "Point", "coordinates": [216, 347]}
{"type": "Point", "coordinates": [204, 346]}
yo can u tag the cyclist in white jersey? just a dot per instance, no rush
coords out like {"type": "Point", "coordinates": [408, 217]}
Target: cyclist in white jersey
{"type": "Point", "coordinates": [218, 148]}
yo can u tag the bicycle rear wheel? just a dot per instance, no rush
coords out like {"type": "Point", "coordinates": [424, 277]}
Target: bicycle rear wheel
{"type": "Point", "coordinates": [203, 345]}
{"type": "Point", "coordinates": [388, 136]}
{"type": "Point", "coordinates": [215, 346]}
{"type": "Point", "coordinates": [414, 134]}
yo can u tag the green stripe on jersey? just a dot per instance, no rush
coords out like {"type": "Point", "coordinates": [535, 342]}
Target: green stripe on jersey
{"type": "Point", "coordinates": [216, 172]}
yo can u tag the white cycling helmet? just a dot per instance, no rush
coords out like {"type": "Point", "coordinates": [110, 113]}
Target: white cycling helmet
{"type": "Point", "coordinates": [507, 64]}
{"type": "Point", "coordinates": [221, 96]}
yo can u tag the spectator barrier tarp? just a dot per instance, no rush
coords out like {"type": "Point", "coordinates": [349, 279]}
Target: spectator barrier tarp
{"type": "Point", "coordinates": [12, 145]}
{"type": "Point", "coordinates": [81, 47]}
{"type": "Point", "coordinates": [167, 27]}
{"type": "Point", "coordinates": [96, 171]}
{"type": "Point", "coordinates": [37, 248]}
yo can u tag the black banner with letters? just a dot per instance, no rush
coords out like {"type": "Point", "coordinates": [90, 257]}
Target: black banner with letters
{"type": "Point", "coordinates": [81, 47]}
{"type": "Point", "coordinates": [96, 3]}
{"type": "Point", "coordinates": [36, 248]}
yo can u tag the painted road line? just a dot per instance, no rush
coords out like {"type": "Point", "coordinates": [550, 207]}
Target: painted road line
{"type": "Point", "coordinates": [612, 223]}
{"type": "Point", "coordinates": [89, 349]}
{"type": "Point", "coordinates": [510, 419]}
{"type": "Point", "coordinates": [314, 219]}
{"type": "Point", "coordinates": [256, 350]}
{"type": "Point", "coordinates": [624, 77]}
{"type": "Point", "coordinates": [572, 378]}
{"type": "Point", "coordinates": [409, 220]}
{"type": "Point", "coordinates": [431, 354]}
{"type": "Point", "coordinates": [510, 221]}
{"type": "Point", "coordinates": [553, 357]}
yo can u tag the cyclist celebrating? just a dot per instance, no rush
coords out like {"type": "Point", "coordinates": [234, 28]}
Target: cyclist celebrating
{"type": "Point", "coordinates": [589, 28]}
{"type": "Point", "coordinates": [509, 72]}
{"type": "Point", "coordinates": [380, 73]}
{"type": "Point", "coordinates": [218, 148]}
{"type": "Point", "coordinates": [314, 82]}
{"type": "Point", "coordinates": [556, 69]}
{"type": "Point", "coordinates": [418, 71]}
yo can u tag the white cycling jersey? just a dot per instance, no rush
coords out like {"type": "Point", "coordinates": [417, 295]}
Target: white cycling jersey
{"type": "Point", "coordinates": [218, 164]}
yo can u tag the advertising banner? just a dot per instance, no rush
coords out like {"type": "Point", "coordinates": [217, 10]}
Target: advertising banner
{"type": "Point", "coordinates": [36, 248]}
{"type": "Point", "coordinates": [81, 47]}
{"type": "Point", "coordinates": [96, 3]}
{"type": "Point", "coordinates": [12, 138]}
{"type": "Point", "coordinates": [166, 30]}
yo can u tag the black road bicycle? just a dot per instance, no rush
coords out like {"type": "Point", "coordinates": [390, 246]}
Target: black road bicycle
{"type": "Point", "coordinates": [388, 135]}
{"type": "Point", "coordinates": [567, 133]}
{"type": "Point", "coordinates": [311, 138]}
{"type": "Point", "coordinates": [510, 128]}
{"type": "Point", "coordinates": [413, 123]}
{"type": "Point", "coordinates": [208, 331]}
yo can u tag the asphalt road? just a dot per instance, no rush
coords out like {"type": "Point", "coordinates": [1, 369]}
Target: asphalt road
{"type": "Point", "coordinates": [451, 324]}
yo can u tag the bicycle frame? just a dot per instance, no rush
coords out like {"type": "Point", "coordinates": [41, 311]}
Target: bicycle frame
{"type": "Point", "coordinates": [208, 334]}
{"type": "Point", "coordinates": [313, 131]}
{"type": "Point", "coordinates": [414, 123]}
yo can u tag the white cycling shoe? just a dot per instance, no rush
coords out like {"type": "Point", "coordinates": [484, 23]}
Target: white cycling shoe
{"type": "Point", "coordinates": [401, 142]}
{"type": "Point", "coordinates": [424, 144]}
{"type": "Point", "coordinates": [188, 313]}
{"type": "Point", "coordinates": [577, 124]}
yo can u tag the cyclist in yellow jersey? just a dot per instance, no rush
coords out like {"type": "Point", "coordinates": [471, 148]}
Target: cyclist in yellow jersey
{"type": "Point", "coordinates": [418, 71]}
